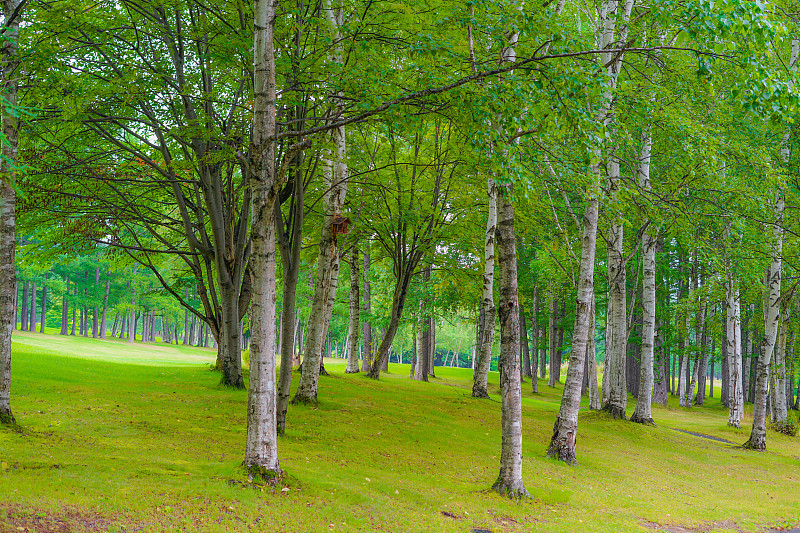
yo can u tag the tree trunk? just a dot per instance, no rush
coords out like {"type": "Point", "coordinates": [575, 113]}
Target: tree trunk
{"type": "Point", "coordinates": [261, 452]}
{"type": "Point", "coordinates": [778, 393]}
{"type": "Point", "coordinates": [642, 413]}
{"type": "Point", "coordinates": [65, 309]}
{"type": "Point", "coordinates": [481, 376]}
{"type": "Point", "coordinates": [132, 318]}
{"type": "Point", "coordinates": [8, 297]}
{"type": "Point", "coordinates": [186, 326]}
{"type": "Point", "coordinates": [509, 481]}
{"type": "Point", "coordinates": [526, 353]}
{"type": "Point", "coordinates": [24, 313]}
{"type": "Point", "coordinates": [431, 344]}
{"type": "Point", "coordinates": [105, 310]}
{"type": "Point", "coordinates": [565, 430]}
{"type": "Point", "coordinates": [32, 323]}
{"type": "Point", "coordinates": [355, 309]}
{"type": "Point", "coordinates": [553, 337]}
{"type": "Point", "coordinates": [366, 355]}
{"type": "Point", "coordinates": [44, 304]}
{"type": "Point", "coordinates": [96, 314]}
{"type": "Point", "coordinates": [535, 331]}
{"type": "Point", "coordinates": [615, 350]}
{"type": "Point", "coordinates": [733, 327]}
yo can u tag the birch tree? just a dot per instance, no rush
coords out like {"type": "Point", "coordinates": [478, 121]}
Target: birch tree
{"type": "Point", "coordinates": [8, 174]}
{"type": "Point", "coordinates": [484, 349]}
{"type": "Point", "coordinates": [261, 451]}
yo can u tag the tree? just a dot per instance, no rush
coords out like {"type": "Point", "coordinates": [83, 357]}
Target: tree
{"type": "Point", "coordinates": [8, 175]}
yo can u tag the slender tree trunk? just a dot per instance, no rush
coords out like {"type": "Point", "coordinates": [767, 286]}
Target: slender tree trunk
{"type": "Point", "coordinates": [366, 355]}
{"type": "Point", "coordinates": [483, 364]}
{"type": "Point", "coordinates": [132, 318]}
{"type": "Point", "coordinates": [509, 481]}
{"type": "Point", "coordinates": [778, 393]}
{"type": "Point", "coordinates": [565, 430]}
{"type": "Point", "coordinates": [535, 331]}
{"type": "Point", "coordinates": [526, 353]}
{"type": "Point", "coordinates": [615, 350]}
{"type": "Point", "coordinates": [553, 337]}
{"type": "Point", "coordinates": [186, 326]}
{"type": "Point", "coordinates": [24, 313]}
{"type": "Point", "coordinates": [96, 314]}
{"type": "Point", "coordinates": [355, 309]}
{"type": "Point", "coordinates": [10, 76]}
{"type": "Point", "coordinates": [65, 309]}
{"type": "Point", "coordinates": [733, 325]}
{"type": "Point", "coordinates": [261, 451]}
{"type": "Point", "coordinates": [44, 305]}
{"type": "Point", "coordinates": [105, 310]}
{"type": "Point", "coordinates": [32, 322]}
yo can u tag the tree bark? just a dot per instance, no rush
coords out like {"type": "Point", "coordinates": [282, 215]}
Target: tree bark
{"type": "Point", "coordinates": [261, 452]}
{"type": "Point", "coordinates": [65, 309]}
{"type": "Point", "coordinates": [509, 481]}
{"type": "Point", "coordinates": [535, 331]}
{"type": "Point", "coordinates": [44, 305]}
{"type": "Point", "coordinates": [615, 350]}
{"type": "Point", "coordinates": [553, 338]}
{"type": "Point", "coordinates": [355, 309]}
{"type": "Point", "coordinates": [733, 327]}
{"type": "Point", "coordinates": [778, 399]}
{"type": "Point", "coordinates": [481, 376]}
{"type": "Point", "coordinates": [32, 322]}
{"type": "Point", "coordinates": [526, 353]}
{"type": "Point", "coordinates": [105, 310]}
{"type": "Point", "coordinates": [366, 351]}
{"type": "Point", "coordinates": [8, 297]}
{"type": "Point", "coordinates": [565, 430]}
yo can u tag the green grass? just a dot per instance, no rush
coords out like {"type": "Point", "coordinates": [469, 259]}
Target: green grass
{"type": "Point", "coordinates": [105, 446]}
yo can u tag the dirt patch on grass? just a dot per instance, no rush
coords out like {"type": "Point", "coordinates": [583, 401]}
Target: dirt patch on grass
{"type": "Point", "coordinates": [707, 527]}
{"type": "Point", "coordinates": [15, 518]}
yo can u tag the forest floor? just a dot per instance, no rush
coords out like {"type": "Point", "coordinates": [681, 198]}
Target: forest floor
{"type": "Point", "coordinates": [158, 446]}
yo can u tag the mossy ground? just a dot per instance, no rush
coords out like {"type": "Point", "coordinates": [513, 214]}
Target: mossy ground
{"type": "Point", "coordinates": [114, 446]}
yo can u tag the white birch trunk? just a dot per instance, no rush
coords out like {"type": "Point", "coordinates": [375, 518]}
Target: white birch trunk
{"type": "Point", "coordinates": [10, 83]}
{"type": "Point", "coordinates": [615, 350]}
{"type": "Point", "coordinates": [565, 430]}
{"type": "Point", "coordinates": [734, 355]}
{"type": "Point", "coordinates": [335, 176]}
{"type": "Point", "coordinates": [484, 351]}
{"type": "Point", "coordinates": [643, 414]}
{"type": "Point", "coordinates": [261, 451]}
{"type": "Point", "coordinates": [778, 400]}
{"type": "Point", "coordinates": [355, 309]}
{"type": "Point", "coordinates": [758, 433]}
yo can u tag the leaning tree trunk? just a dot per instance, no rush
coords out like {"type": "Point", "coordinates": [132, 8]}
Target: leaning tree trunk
{"type": "Point", "coordinates": [480, 378]}
{"type": "Point", "coordinates": [261, 452]}
{"type": "Point", "coordinates": [8, 299]}
{"type": "Point", "coordinates": [565, 430]}
{"type": "Point", "coordinates": [758, 434]}
{"type": "Point", "coordinates": [398, 304]}
{"type": "Point", "coordinates": [509, 481]}
{"type": "Point", "coordinates": [355, 308]}
{"type": "Point", "coordinates": [526, 351]}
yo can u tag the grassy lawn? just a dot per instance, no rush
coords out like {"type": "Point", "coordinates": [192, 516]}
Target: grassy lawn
{"type": "Point", "coordinates": [116, 437]}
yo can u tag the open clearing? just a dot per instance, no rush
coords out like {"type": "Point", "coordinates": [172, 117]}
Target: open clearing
{"type": "Point", "coordinates": [107, 446]}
